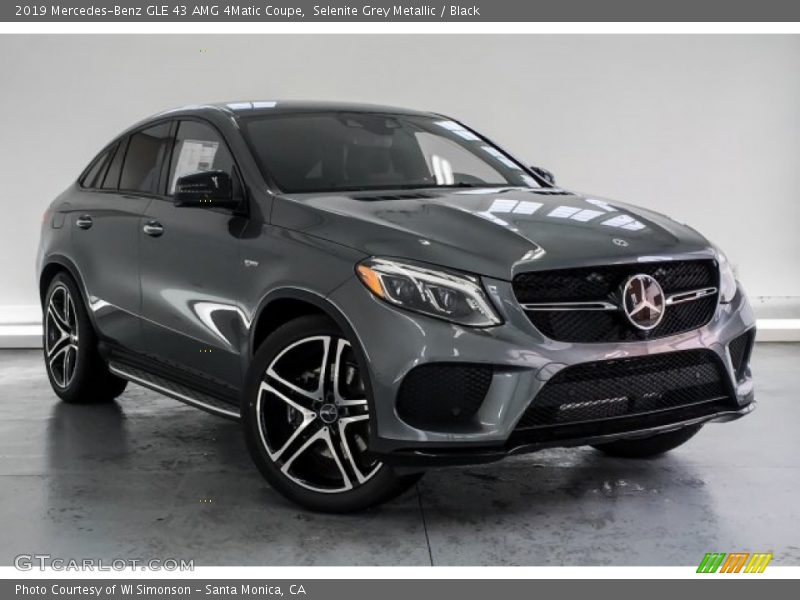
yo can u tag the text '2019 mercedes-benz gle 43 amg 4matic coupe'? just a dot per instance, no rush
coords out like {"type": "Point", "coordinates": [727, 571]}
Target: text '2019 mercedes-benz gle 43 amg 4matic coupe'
{"type": "Point", "coordinates": [374, 291]}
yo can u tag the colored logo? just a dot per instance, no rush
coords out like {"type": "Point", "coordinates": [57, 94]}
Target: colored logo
{"type": "Point", "coordinates": [735, 562]}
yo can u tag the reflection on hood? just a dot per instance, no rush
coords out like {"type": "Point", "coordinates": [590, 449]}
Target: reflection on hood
{"type": "Point", "coordinates": [491, 231]}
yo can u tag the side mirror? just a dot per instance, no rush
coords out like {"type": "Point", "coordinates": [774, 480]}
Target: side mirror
{"type": "Point", "coordinates": [544, 174]}
{"type": "Point", "coordinates": [205, 189]}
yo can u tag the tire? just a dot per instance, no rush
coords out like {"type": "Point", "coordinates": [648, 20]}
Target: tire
{"type": "Point", "coordinates": [650, 446]}
{"type": "Point", "coordinates": [76, 371]}
{"type": "Point", "coordinates": [307, 434]}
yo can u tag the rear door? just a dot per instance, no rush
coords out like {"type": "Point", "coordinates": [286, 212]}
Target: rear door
{"type": "Point", "coordinates": [106, 221]}
{"type": "Point", "coordinates": [191, 270]}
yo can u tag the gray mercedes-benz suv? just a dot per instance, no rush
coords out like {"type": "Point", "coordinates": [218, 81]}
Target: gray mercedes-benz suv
{"type": "Point", "coordinates": [375, 291]}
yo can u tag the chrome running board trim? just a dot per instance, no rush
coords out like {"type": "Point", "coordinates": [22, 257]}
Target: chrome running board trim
{"type": "Point", "coordinates": [222, 412]}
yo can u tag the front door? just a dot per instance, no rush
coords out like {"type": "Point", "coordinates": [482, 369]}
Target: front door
{"type": "Point", "coordinates": [190, 271]}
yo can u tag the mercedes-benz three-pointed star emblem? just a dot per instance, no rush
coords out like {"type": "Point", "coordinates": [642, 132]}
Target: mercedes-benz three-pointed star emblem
{"type": "Point", "coordinates": [643, 301]}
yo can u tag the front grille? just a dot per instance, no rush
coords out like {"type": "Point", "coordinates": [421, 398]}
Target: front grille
{"type": "Point", "coordinates": [604, 283]}
{"type": "Point", "coordinates": [739, 350]}
{"type": "Point", "coordinates": [437, 396]}
{"type": "Point", "coordinates": [629, 387]}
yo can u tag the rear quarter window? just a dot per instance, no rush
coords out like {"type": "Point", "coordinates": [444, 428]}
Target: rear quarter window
{"type": "Point", "coordinates": [93, 175]}
{"type": "Point", "coordinates": [111, 178]}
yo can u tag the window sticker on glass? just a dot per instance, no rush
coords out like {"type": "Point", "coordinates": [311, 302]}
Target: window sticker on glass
{"type": "Point", "coordinates": [195, 156]}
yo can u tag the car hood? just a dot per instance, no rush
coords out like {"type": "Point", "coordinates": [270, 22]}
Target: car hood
{"type": "Point", "coordinates": [491, 232]}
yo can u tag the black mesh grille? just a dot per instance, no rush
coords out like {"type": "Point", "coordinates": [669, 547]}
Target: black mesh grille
{"type": "Point", "coordinates": [604, 283]}
{"type": "Point", "coordinates": [628, 387]}
{"type": "Point", "coordinates": [443, 394]}
{"type": "Point", "coordinates": [739, 350]}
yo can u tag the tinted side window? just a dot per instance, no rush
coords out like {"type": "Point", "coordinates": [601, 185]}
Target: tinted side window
{"type": "Point", "coordinates": [198, 148]}
{"type": "Point", "coordinates": [144, 158]}
{"type": "Point", "coordinates": [94, 175]}
{"type": "Point", "coordinates": [111, 179]}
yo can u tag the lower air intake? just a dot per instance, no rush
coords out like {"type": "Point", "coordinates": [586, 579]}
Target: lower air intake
{"type": "Point", "coordinates": [437, 396]}
{"type": "Point", "coordinates": [739, 350]}
{"type": "Point", "coordinates": [627, 387]}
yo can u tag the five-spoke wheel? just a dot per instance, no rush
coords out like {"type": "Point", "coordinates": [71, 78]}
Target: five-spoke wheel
{"type": "Point", "coordinates": [74, 366]}
{"type": "Point", "coordinates": [307, 418]}
{"type": "Point", "coordinates": [314, 416]}
{"type": "Point", "coordinates": [61, 336]}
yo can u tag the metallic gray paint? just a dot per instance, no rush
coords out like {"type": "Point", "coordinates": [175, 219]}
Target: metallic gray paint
{"type": "Point", "coordinates": [192, 297]}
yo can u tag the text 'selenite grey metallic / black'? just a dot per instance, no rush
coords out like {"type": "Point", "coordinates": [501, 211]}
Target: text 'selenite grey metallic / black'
{"type": "Point", "coordinates": [375, 291]}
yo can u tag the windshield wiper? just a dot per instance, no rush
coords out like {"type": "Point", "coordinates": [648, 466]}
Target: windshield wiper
{"type": "Point", "coordinates": [414, 186]}
{"type": "Point", "coordinates": [387, 187]}
{"type": "Point", "coordinates": [464, 184]}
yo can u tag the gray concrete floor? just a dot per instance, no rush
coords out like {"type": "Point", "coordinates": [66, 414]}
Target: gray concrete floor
{"type": "Point", "coordinates": [149, 477]}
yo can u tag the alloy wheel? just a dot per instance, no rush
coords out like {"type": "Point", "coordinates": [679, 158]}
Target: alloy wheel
{"type": "Point", "coordinates": [61, 336]}
{"type": "Point", "coordinates": [313, 415]}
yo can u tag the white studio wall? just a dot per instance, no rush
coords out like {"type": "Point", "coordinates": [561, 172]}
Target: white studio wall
{"type": "Point", "coordinates": [703, 128]}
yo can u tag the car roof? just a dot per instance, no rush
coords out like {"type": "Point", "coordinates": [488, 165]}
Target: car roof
{"type": "Point", "coordinates": [230, 111]}
{"type": "Point", "coordinates": [252, 107]}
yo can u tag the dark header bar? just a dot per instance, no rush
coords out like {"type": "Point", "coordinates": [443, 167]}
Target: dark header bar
{"type": "Point", "coordinates": [169, 11]}
{"type": "Point", "coordinates": [398, 589]}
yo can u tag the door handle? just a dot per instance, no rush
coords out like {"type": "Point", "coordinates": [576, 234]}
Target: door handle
{"type": "Point", "coordinates": [84, 221]}
{"type": "Point", "coordinates": [153, 228]}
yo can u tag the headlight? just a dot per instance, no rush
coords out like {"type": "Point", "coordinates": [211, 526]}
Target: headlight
{"type": "Point", "coordinates": [727, 278]}
{"type": "Point", "coordinates": [449, 295]}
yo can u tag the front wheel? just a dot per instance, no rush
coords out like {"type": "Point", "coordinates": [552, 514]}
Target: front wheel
{"type": "Point", "coordinates": [307, 420]}
{"type": "Point", "coordinates": [649, 446]}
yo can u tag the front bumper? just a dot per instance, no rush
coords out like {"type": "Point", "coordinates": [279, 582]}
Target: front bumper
{"type": "Point", "coordinates": [523, 361]}
{"type": "Point", "coordinates": [465, 455]}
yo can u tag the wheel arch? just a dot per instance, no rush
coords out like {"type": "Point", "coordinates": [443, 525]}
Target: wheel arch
{"type": "Point", "coordinates": [283, 305]}
{"type": "Point", "coordinates": [59, 263]}
{"type": "Point", "coordinates": [53, 266]}
{"type": "Point", "coordinates": [313, 303]}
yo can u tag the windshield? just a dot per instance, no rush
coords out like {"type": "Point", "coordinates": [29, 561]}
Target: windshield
{"type": "Point", "coordinates": [328, 152]}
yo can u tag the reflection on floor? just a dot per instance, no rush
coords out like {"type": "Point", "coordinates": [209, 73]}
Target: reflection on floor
{"type": "Point", "coordinates": [149, 477]}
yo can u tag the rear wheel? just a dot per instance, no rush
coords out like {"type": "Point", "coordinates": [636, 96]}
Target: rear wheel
{"type": "Point", "coordinates": [76, 371]}
{"type": "Point", "coordinates": [649, 446]}
{"type": "Point", "coordinates": [307, 420]}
